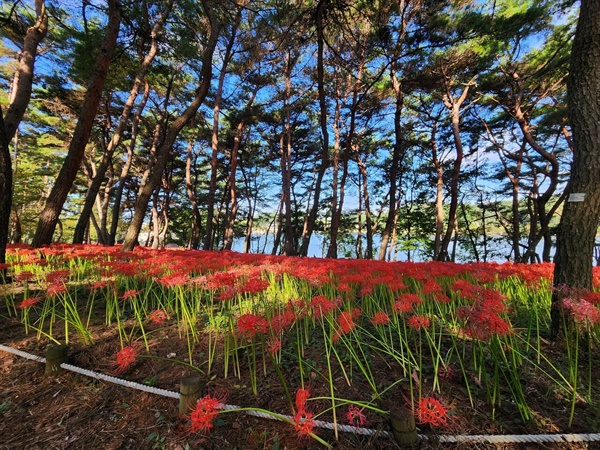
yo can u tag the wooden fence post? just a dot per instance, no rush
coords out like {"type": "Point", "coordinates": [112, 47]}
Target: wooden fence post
{"type": "Point", "coordinates": [55, 356]}
{"type": "Point", "coordinates": [403, 428]}
{"type": "Point", "coordinates": [189, 388]}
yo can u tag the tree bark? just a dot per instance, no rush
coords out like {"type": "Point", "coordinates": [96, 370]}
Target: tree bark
{"type": "Point", "coordinates": [579, 221]}
{"type": "Point", "coordinates": [6, 193]}
{"type": "Point", "coordinates": [94, 187]}
{"type": "Point", "coordinates": [162, 153]}
{"type": "Point", "coordinates": [116, 209]}
{"type": "Point", "coordinates": [56, 199]}
{"type": "Point", "coordinates": [454, 104]}
{"type": "Point", "coordinates": [397, 157]}
{"type": "Point", "coordinates": [212, 189]}
{"type": "Point", "coordinates": [233, 196]}
{"type": "Point", "coordinates": [196, 228]}
{"type": "Point", "coordinates": [309, 224]}
{"type": "Point", "coordinates": [23, 81]}
{"type": "Point", "coordinates": [22, 86]}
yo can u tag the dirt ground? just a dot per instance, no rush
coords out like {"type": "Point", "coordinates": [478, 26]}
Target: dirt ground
{"type": "Point", "coordinates": [72, 411]}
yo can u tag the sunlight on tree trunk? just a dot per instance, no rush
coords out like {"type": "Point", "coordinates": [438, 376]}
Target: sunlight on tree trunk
{"type": "Point", "coordinates": [579, 221]}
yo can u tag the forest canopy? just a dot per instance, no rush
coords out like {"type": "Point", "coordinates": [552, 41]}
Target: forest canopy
{"type": "Point", "coordinates": [392, 130]}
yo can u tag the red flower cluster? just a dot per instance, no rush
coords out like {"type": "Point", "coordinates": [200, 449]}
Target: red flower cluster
{"type": "Point", "coordinates": [250, 324]}
{"type": "Point", "coordinates": [406, 302]}
{"type": "Point", "coordinates": [57, 275]}
{"type": "Point", "coordinates": [582, 311]}
{"type": "Point", "coordinates": [202, 416]}
{"type": "Point", "coordinates": [431, 411]}
{"type": "Point", "coordinates": [345, 322]}
{"type": "Point", "coordinates": [355, 416]}
{"type": "Point", "coordinates": [419, 321]}
{"type": "Point", "coordinates": [380, 318]}
{"type": "Point", "coordinates": [28, 302]}
{"type": "Point", "coordinates": [58, 287]}
{"type": "Point", "coordinates": [273, 346]}
{"type": "Point", "coordinates": [281, 321]}
{"type": "Point", "coordinates": [174, 280]}
{"type": "Point", "coordinates": [158, 316]}
{"type": "Point", "coordinates": [125, 358]}
{"type": "Point", "coordinates": [321, 305]}
{"type": "Point", "coordinates": [254, 286]}
{"type": "Point", "coordinates": [304, 422]}
{"type": "Point", "coordinates": [483, 318]}
{"type": "Point", "coordinates": [25, 276]}
{"type": "Point", "coordinates": [131, 293]}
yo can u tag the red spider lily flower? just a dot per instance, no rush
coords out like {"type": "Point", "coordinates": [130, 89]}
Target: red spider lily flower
{"type": "Point", "coordinates": [345, 322]}
{"type": "Point", "coordinates": [158, 316]}
{"type": "Point", "coordinates": [466, 289]}
{"type": "Point", "coordinates": [483, 317]}
{"type": "Point", "coordinates": [355, 416]}
{"type": "Point", "coordinates": [446, 372]}
{"type": "Point", "coordinates": [302, 396]}
{"type": "Point", "coordinates": [25, 276]}
{"type": "Point", "coordinates": [431, 287]}
{"type": "Point", "coordinates": [344, 287]}
{"type": "Point", "coordinates": [380, 318]}
{"type": "Point", "coordinates": [202, 416]}
{"type": "Point", "coordinates": [396, 285]}
{"type": "Point", "coordinates": [127, 269]}
{"type": "Point", "coordinates": [174, 280]}
{"type": "Point", "coordinates": [57, 275]}
{"type": "Point", "coordinates": [254, 286]}
{"type": "Point", "coordinates": [366, 290]}
{"type": "Point", "coordinates": [28, 302]}
{"type": "Point", "coordinates": [419, 321]}
{"type": "Point", "coordinates": [304, 422]}
{"type": "Point", "coordinates": [356, 313]}
{"type": "Point", "coordinates": [220, 279]}
{"type": "Point", "coordinates": [131, 293]}
{"type": "Point", "coordinates": [125, 358]}
{"type": "Point", "coordinates": [321, 305]}
{"type": "Point", "coordinates": [582, 311]}
{"type": "Point", "coordinates": [100, 284]}
{"type": "Point", "coordinates": [251, 324]}
{"type": "Point", "coordinates": [56, 288]}
{"type": "Point", "coordinates": [431, 411]}
{"type": "Point", "coordinates": [592, 297]}
{"type": "Point", "coordinates": [273, 346]}
{"type": "Point", "coordinates": [489, 326]}
{"type": "Point", "coordinates": [442, 298]}
{"type": "Point", "coordinates": [405, 302]}
{"type": "Point", "coordinates": [277, 323]}
{"type": "Point", "coordinates": [228, 293]}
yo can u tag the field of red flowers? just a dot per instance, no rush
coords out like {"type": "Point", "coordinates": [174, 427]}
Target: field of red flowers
{"type": "Point", "coordinates": [463, 348]}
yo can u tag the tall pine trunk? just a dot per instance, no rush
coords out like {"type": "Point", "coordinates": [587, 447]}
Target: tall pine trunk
{"type": "Point", "coordinates": [454, 104]}
{"type": "Point", "coordinates": [120, 187]}
{"type": "Point", "coordinates": [310, 222]}
{"type": "Point", "coordinates": [163, 151]}
{"type": "Point", "coordinates": [579, 221]}
{"type": "Point", "coordinates": [21, 93]}
{"type": "Point", "coordinates": [62, 185]}
{"type": "Point", "coordinates": [94, 187]}
{"type": "Point", "coordinates": [212, 188]}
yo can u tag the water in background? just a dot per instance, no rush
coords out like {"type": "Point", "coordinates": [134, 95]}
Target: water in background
{"type": "Point", "coordinates": [499, 250]}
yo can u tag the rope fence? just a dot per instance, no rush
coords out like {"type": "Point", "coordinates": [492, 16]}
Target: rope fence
{"type": "Point", "coordinates": [461, 439]}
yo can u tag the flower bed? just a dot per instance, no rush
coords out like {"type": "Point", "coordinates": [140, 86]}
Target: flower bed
{"type": "Point", "coordinates": [462, 346]}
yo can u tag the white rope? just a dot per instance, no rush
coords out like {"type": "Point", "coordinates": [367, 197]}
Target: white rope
{"type": "Point", "coordinates": [14, 351]}
{"type": "Point", "coordinates": [317, 423]}
{"type": "Point", "coordinates": [477, 438]}
{"type": "Point", "coordinates": [523, 438]}
{"type": "Point", "coordinates": [126, 383]}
